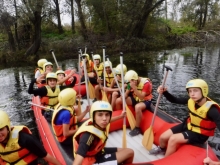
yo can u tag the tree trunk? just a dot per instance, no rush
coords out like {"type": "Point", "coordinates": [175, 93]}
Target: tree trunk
{"type": "Point", "coordinates": [205, 13]}
{"type": "Point", "coordinates": [59, 25]}
{"type": "Point", "coordinates": [139, 23]}
{"type": "Point", "coordinates": [16, 25]}
{"type": "Point", "coordinates": [81, 20]}
{"type": "Point", "coordinates": [37, 35]}
{"type": "Point", "coordinates": [72, 17]}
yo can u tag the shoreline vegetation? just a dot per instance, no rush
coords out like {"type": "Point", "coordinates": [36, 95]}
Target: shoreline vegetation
{"type": "Point", "coordinates": [29, 29]}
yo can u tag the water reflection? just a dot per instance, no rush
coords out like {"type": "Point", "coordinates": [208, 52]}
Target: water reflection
{"type": "Point", "coordinates": [187, 63]}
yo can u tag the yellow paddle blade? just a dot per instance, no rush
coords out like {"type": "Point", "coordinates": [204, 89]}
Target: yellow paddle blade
{"type": "Point", "coordinates": [79, 108]}
{"type": "Point", "coordinates": [130, 117]}
{"type": "Point", "coordinates": [107, 129]}
{"type": "Point", "coordinates": [124, 141]}
{"type": "Point", "coordinates": [148, 138]}
{"type": "Point", "coordinates": [104, 96]}
{"type": "Point", "coordinates": [91, 91]}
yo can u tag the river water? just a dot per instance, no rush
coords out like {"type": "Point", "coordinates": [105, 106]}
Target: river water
{"type": "Point", "coordinates": [187, 63]}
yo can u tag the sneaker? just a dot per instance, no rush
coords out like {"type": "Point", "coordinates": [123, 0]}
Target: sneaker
{"type": "Point", "coordinates": [135, 131]}
{"type": "Point", "coordinates": [156, 151]}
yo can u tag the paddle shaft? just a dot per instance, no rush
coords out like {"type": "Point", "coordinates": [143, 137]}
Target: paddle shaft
{"type": "Point", "coordinates": [103, 48]}
{"type": "Point", "coordinates": [159, 97]}
{"type": "Point", "coordinates": [86, 80]}
{"type": "Point", "coordinates": [54, 57]}
{"type": "Point", "coordinates": [79, 88]}
{"type": "Point", "coordinates": [37, 105]}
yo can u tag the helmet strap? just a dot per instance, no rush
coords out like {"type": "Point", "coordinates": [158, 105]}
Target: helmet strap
{"type": "Point", "coordinates": [97, 126]}
{"type": "Point", "coordinates": [198, 101]}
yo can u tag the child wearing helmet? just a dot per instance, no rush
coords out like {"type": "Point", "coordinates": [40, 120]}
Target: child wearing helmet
{"type": "Point", "coordinates": [64, 120]}
{"type": "Point", "coordinates": [204, 116]}
{"type": "Point", "coordinates": [109, 77]}
{"type": "Point", "coordinates": [62, 77]}
{"type": "Point", "coordinates": [90, 139]}
{"type": "Point", "coordinates": [98, 66]}
{"type": "Point", "coordinates": [19, 146]}
{"type": "Point", "coordinates": [139, 95]}
{"type": "Point", "coordinates": [49, 92]}
{"type": "Point", "coordinates": [89, 69]}
{"type": "Point", "coordinates": [39, 70]}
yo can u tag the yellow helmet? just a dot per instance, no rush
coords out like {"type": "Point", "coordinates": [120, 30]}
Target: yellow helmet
{"type": "Point", "coordinates": [131, 75]}
{"type": "Point", "coordinates": [100, 106]}
{"type": "Point", "coordinates": [60, 72]}
{"type": "Point", "coordinates": [124, 68]}
{"type": "Point", "coordinates": [87, 56]}
{"type": "Point", "coordinates": [46, 64]}
{"type": "Point", "coordinates": [67, 97]}
{"type": "Point", "coordinates": [51, 75]}
{"type": "Point", "coordinates": [97, 57]}
{"type": "Point", "coordinates": [116, 71]}
{"type": "Point", "coordinates": [198, 83]}
{"type": "Point", "coordinates": [108, 64]}
{"type": "Point", "coordinates": [4, 119]}
{"type": "Point", "coordinates": [41, 62]}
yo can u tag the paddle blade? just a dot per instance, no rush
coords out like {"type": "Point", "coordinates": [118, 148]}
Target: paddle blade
{"type": "Point", "coordinates": [130, 117]}
{"type": "Point", "coordinates": [148, 138]}
{"type": "Point", "coordinates": [79, 108]}
{"type": "Point", "coordinates": [124, 141]}
{"type": "Point", "coordinates": [91, 91]}
{"type": "Point", "coordinates": [104, 96]}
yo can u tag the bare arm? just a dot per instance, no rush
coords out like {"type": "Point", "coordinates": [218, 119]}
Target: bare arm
{"type": "Point", "coordinates": [123, 113]}
{"type": "Point", "coordinates": [67, 132]}
{"type": "Point", "coordinates": [78, 160]}
{"type": "Point", "coordinates": [81, 116]}
{"type": "Point", "coordinates": [52, 160]}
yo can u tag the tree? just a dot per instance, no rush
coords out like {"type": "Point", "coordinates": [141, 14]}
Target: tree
{"type": "Point", "coordinates": [57, 8]}
{"type": "Point", "coordinates": [33, 10]}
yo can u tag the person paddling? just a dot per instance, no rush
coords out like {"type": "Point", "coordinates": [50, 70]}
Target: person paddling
{"type": "Point", "coordinates": [137, 94]}
{"type": "Point", "coordinates": [18, 146]}
{"type": "Point", "coordinates": [204, 116]}
{"type": "Point", "coordinates": [90, 139]}
{"type": "Point", "coordinates": [49, 93]}
{"type": "Point", "coordinates": [64, 120]}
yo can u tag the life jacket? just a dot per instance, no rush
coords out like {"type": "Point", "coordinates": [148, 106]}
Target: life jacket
{"type": "Point", "coordinates": [89, 67]}
{"type": "Point", "coordinates": [51, 99]}
{"type": "Point", "coordinates": [119, 83]}
{"type": "Point", "coordinates": [97, 147]}
{"type": "Point", "coordinates": [58, 129]}
{"type": "Point", "coordinates": [40, 70]}
{"type": "Point", "coordinates": [12, 152]}
{"type": "Point", "coordinates": [140, 86]}
{"type": "Point", "coordinates": [108, 79]}
{"type": "Point", "coordinates": [99, 69]}
{"type": "Point", "coordinates": [198, 120]}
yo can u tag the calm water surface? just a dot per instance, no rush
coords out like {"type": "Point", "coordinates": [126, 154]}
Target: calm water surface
{"type": "Point", "coordinates": [187, 63]}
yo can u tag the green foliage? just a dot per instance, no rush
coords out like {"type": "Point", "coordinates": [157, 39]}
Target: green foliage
{"type": "Point", "coordinates": [56, 35]}
{"type": "Point", "coordinates": [179, 30]}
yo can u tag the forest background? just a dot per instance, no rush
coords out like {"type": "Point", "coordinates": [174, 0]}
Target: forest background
{"type": "Point", "coordinates": [30, 28]}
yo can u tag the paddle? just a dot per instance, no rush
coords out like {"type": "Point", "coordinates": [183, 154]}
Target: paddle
{"type": "Point", "coordinates": [37, 105]}
{"type": "Point", "coordinates": [90, 86]}
{"type": "Point", "coordinates": [79, 89]}
{"type": "Point", "coordinates": [103, 49]}
{"type": "Point", "coordinates": [104, 97]}
{"type": "Point", "coordinates": [148, 138]}
{"type": "Point", "coordinates": [207, 151]}
{"type": "Point", "coordinates": [86, 79]}
{"type": "Point", "coordinates": [124, 141]}
{"type": "Point", "coordinates": [130, 115]}
{"type": "Point", "coordinates": [54, 57]}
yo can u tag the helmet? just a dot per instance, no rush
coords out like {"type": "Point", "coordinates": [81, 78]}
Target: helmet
{"type": "Point", "coordinates": [51, 75]}
{"type": "Point", "coordinates": [86, 55]}
{"type": "Point", "coordinates": [97, 57]}
{"type": "Point", "coordinates": [124, 68]}
{"type": "Point", "coordinates": [100, 106]}
{"type": "Point", "coordinates": [41, 62]}
{"type": "Point", "coordinates": [116, 71]}
{"type": "Point", "coordinates": [198, 83]}
{"type": "Point", "coordinates": [108, 64]}
{"type": "Point", "coordinates": [131, 75]}
{"type": "Point", "coordinates": [4, 119]}
{"type": "Point", "coordinates": [46, 64]}
{"type": "Point", "coordinates": [60, 72]}
{"type": "Point", "coordinates": [67, 97]}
